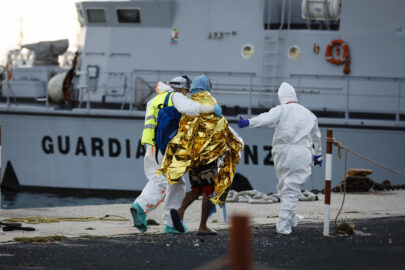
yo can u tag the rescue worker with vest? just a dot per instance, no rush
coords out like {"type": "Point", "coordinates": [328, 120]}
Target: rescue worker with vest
{"type": "Point", "coordinates": [157, 189]}
{"type": "Point", "coordinates": [296, 144]}
{"type": "Point", "coordinates": [199, 143]}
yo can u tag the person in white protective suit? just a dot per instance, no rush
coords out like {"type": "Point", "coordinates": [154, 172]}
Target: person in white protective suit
{"type": "Point", "coordinates": [157, 188]}
{"type": "Point", "coordinates": [296, 144]}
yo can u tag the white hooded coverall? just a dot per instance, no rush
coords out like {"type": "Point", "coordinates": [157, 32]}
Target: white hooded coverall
{"type": "Point", "coordinates": [296, 138]}
{"type": "Point", "coordinates": [157, 188]}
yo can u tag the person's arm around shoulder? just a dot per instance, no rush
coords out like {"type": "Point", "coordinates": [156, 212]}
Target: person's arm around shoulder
{"type": "Point", "coordinates": [269, 119]}
{"type": "Point", "coordinates": [188, 107]}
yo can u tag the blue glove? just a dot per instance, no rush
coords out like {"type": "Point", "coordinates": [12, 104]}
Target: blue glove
{"type": "Point", "coordinates": [242, 122]}
{"type": "Point", "coordinates": [217, 110]}
{"type": "Point", "coordinates": [317, 160]}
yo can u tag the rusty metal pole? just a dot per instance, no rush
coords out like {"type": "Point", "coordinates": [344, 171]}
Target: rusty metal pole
{"type": "Point", "coordinates": [1, 228]}
{"type": "Point", "coordinates": [328, 180]}
{"type": "Point", "coordinates": [240, 245]}
{"type": "Point", "coordinates": [1, 182]}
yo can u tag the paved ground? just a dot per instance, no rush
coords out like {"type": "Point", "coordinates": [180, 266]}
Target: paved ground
{"type": "Point", "coordinates": [357, 206]}
{"type": "Point", "coordinates": [378, 244]}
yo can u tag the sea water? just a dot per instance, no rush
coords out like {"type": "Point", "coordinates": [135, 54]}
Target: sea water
{"type": "Point", "coordinates": [16, 200]}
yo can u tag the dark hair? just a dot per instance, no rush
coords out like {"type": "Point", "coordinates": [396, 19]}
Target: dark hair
{"type": "Point", "coordinates": [188, 84]}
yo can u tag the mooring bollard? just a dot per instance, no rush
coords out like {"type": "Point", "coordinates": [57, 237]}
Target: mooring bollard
{"type": "Point", "coordinates": [240, 245]}
{"type": "Point", "coordinates": [328, 180]}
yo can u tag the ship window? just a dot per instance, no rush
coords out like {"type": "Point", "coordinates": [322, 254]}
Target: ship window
{"type": "Point", "coordinates": [128, 15]}
{"type": "Point", "coordinates": [96, 15]}
{"type": "Point", "coordinates": [247, 51]}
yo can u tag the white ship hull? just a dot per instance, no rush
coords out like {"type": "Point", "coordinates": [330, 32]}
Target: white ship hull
{"type": "Point", "coordinates": [103, 152]}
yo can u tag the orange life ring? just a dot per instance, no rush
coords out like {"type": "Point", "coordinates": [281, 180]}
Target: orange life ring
{"type": "Point", "coordinates": [337, 44]}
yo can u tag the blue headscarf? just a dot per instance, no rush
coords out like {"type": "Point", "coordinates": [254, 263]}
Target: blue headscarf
{"type": "Point", "coordinates": [201, 83]}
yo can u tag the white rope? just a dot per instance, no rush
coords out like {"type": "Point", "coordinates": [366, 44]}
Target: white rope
{"type": "Point", "coordinates": [256, 197]}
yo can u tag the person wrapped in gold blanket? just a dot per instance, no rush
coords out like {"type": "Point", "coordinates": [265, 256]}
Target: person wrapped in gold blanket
{"type": "Point", "coordinates": [202, 140]}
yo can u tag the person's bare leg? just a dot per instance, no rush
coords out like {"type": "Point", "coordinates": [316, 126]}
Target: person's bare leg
{"type": "Point", "coordinates": [191, 196]}
{"type": "Point", "coordinates": [205, 211]}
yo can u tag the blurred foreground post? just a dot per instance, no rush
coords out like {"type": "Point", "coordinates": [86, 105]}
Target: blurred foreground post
{"type": "Point", "coordinates": [1, 228]}
{"type": "Point", "coordinates": [1, 182]}
{"type": "Point", "coordinates": [328, 180]}
{"type": "Point", "coordinates": [240, 245]}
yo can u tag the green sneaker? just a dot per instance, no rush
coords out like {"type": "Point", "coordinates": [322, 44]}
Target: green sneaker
{"type": "Point", "coordinates": [171, 230]}
{"type": "Point", "coordinates": [139, 217]}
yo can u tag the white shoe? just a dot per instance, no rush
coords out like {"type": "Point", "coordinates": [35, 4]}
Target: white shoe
{"type": "Point", "coordinates": [283, 227]}
{"type": "Point", "coordinates": [284, 223]}
{"type": "Point", "coordinates": [295, 220]}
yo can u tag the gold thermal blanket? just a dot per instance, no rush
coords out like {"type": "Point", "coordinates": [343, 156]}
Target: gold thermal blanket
{"type": "Point", "coordinates": [201, 140]}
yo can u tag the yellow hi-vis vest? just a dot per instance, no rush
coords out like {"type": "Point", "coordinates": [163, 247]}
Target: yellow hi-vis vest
{"type": "Point", "coordinates": [148, 134]}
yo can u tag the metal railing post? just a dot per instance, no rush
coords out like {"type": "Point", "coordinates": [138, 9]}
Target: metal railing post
{"type": "Point", "coordinates": [8, 93]}
{"type": "Point", "coordinates": [328, 180]}
{"type": "Point", "coordinates": [88, 99]}
{"type": "Point", "coordinates": [132, 91]}
{"type": "Point", "coordinates": [347, 116]}
{"type": "Point", "coordinates": [46, 96]}
{"type": "Point", "coordinates": [397, 114]}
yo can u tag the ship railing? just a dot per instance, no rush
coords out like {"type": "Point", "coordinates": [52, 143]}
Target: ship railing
{"type": "Point", "coordinates": [334, 99]}
{"type": "Point", "coordinates": [23, 83]}
{"type": "Point", "coordinates": [227, 83]}
{"type": "Point", "coordinates": [353, 100]}
{"type": "Point", "coordinates": [9, 92]}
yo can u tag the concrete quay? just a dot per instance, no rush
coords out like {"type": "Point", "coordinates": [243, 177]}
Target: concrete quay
{"type": "Point", "coordinates": [357, 206]}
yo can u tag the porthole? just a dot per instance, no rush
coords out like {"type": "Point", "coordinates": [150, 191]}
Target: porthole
{"type": "Point", "coordinates": [247, 51]}
{"type": "Point", "coordinates": [294, 52]}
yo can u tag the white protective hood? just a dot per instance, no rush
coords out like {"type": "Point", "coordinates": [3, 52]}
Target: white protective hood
{"type": "Point", "coordinates": [286, 93]}
{"type": "Point", "coordinates": [162, 87]}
